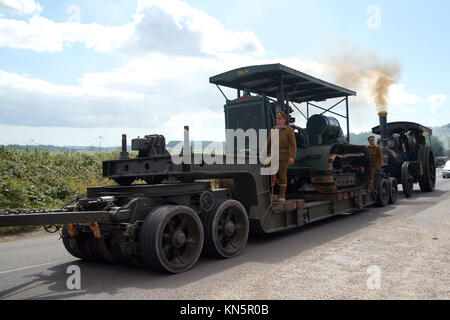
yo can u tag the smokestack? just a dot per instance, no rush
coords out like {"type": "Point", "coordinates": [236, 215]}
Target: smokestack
{"type": "Point", "coordinates": [124, 154]}
{"type": "Point", "coordinates": [383, 128]}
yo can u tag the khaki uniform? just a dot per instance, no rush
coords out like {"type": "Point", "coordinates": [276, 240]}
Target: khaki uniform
{"type": "Point", "coordinates": [376, 160]}
{"type": "Point", "coordinates": [288, 149]}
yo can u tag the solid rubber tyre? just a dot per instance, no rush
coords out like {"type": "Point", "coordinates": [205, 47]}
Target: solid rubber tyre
{"type": "Point", "coordinates": [427, 181]}
{"type": "Point", "coordinates": [383, 189]}
{"type": "Point", "coordinates": [171, 238]}
{"type": "Point", "coordinates": [407, 180]}
{"type": "Point", "coordinates": [226, 229]}
{"type": "Point", "coordinates": [393, 190]}
{"type": "Point", "coordinates": [72, 245]}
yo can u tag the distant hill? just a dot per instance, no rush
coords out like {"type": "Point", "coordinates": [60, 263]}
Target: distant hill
{"type": "Point", "coordinates": [442, 133]}
{"type": "Point", "coordinates": [59, 148]}
{"type": "Point", "coordinates": [360, 138]}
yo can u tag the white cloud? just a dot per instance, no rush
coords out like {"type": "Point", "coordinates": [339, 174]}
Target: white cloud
{"type": "Point", "coordinates": [41, 34]}
{"type": "Point", "coordinates": [436, 101]}
{"type": "Point", "coordinates": [398, 96]}
{"type": "Point", "coordinates": [173, 50]}
{"type": "Point", "coordinates": [20, 7]}
{"type": "Point", "coordinates": [160, 92]}
{"type": "Point", "coordinates": [168, 27]}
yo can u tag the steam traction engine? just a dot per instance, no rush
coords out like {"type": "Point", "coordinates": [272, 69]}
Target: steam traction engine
{"type": "Point", "coordinates": [407, 157]}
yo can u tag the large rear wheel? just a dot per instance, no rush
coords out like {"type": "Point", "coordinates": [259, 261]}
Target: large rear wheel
{"type": "Point", "coordinates": [171, 238]}
{"type": "Point", "coordinates": [427, 181]}
{"type": "Point", "coordinates": [407, 179]}
{"type": "Point", "coordinates": [226, 229]}
{"type": "Point", "coordinates": [383, 192]}
{"type": "Point", "coordinates": [393, 190]}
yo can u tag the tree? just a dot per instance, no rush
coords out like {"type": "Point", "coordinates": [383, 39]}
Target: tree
{"type": "Point", "coordinates": [437, 147]}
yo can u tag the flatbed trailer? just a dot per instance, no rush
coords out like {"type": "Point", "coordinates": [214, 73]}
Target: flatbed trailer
{"type": "Point", "coordinates": [167, 226]}
{"type": "Point", "coordinates": [169, 222]}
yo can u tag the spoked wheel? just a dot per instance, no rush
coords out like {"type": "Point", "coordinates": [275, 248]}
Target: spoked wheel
{"type": "Point", "coordinates": [427, 181]}
{"type": "Point", "coordinates": [226, 229]}
{"type": "Point", "coordinates": [393, 190]}
{"type": "Point", "coordinates": [171, 238]}
{"type": "Point", "coordinates": [382, 193]}
{"type": "Point", "coordinates": [407, 179]}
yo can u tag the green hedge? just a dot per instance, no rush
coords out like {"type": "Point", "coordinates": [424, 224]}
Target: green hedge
{"type": "Point", "coordinates": [40, 178]}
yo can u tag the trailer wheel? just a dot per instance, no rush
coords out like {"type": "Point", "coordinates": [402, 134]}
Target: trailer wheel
{"type": "Point", "coordinates": [84, 247]}
{"type": "Point", "coordinates": [393, 190]}
{"type": "Point", "coordinates": [407, 180]}
{"type": "Point", "coordinates": [171, 238]}
{"type": "Point", "coordinates": [427, 181]}
{"type": "Point", "coordinates": [92, 246]}
{"type": "Point", "coordinates": [226, 229]}
{"type": "Point", "coordinates": [72, 245]}
{"type": "Point", "coordinates": [383, 191]}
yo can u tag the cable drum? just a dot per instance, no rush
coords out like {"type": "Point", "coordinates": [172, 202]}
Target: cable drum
{"type": "Point", "coordinates": [320, 124]}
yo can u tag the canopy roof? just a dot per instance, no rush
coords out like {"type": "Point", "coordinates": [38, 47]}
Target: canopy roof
{"type": "Point", "coordinates": [270, 78]}
{"type": "Point", "coordinates": [402, 126]}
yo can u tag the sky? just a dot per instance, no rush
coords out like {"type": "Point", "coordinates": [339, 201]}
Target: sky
{"type": "Point", "coordinates": [83, 72]}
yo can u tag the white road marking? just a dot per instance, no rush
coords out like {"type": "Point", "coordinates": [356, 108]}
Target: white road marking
{"type": "Point", "coordinates": [29, 267]}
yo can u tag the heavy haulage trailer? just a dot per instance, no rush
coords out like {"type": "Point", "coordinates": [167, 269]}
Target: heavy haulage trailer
{"type": "Point", "coordinates": [168, 222]}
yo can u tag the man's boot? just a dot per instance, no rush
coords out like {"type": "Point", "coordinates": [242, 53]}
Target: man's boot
{"type": "Point", "coordinates": [282, 196]}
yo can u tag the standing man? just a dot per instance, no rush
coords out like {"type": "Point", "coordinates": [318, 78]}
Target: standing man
{"type": "Point", "coordinates": [287, 152]}
{"type": "Point", "coordinates": [376, 159]}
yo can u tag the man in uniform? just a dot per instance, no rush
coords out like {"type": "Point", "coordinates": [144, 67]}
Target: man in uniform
{"type": "Point", "coordinates": [376, 159]}
{"type": "Point", "coordinates": [287, 150]}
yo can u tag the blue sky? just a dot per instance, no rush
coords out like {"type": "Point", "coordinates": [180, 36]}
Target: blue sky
{"type": "Point", "coordinates": [71, 71]}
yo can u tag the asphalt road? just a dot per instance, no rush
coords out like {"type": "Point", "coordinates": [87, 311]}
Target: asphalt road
{"type": "Point", "coordinates": [400, 251]}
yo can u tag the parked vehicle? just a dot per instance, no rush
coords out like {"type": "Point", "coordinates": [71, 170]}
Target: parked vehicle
{"type": "Point", "coordinates": [446, 170]}
{"type": "Point", "coordinates": [440, 161]}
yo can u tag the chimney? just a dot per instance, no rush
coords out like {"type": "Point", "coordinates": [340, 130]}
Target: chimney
{"type": "Point", "coordinates": [383, 128]}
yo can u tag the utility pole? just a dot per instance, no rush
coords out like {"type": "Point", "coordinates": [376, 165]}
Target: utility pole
{"type": "Point", "coordinates": [100, 138]}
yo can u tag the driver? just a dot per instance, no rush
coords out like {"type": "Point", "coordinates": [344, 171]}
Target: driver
{"type": "Point", "coordinates": [376, 159]}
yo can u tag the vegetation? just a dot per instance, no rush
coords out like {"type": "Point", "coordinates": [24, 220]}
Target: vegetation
{"type": "Point", "coordinates": [40, 178]}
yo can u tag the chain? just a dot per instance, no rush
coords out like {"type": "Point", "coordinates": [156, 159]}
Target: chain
{"type": "Point", "coordinates": [40, 210]}
{"type": "Point", "coordinates": [29, 211]}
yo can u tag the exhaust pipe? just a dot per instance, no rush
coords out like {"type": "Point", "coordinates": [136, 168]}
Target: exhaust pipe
{"type": "Point", "coordinates": [124, 155]}
{"type": "Point", "coordinates": [383, 128]}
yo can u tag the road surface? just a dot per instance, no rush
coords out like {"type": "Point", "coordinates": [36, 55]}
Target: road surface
{"type": "Point", "coordinates": [397, 252]}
